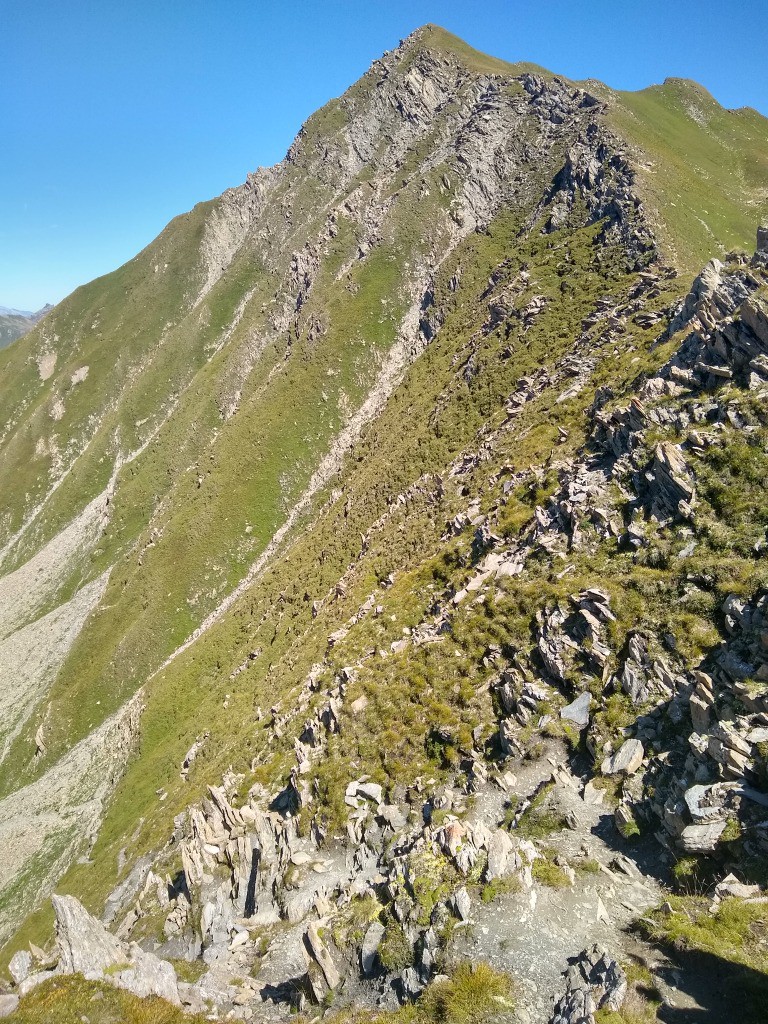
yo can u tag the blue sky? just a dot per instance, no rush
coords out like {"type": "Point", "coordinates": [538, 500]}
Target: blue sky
{"type": "Point", "coordinates": [116, 116]}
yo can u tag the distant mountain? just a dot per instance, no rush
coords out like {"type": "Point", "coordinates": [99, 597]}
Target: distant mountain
{"type": "Point", "coordinates": [16, 322]}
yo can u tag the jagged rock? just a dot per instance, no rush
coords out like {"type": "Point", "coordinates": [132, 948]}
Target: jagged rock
{"type": "Point", "coordinates": [578, 710]}
{"type": "Point", "coordinates": [627, 758]}
{"type": "Point", "coordinates": [86, 947]}
{"type": "Point", "coordinates": [323, 974]}
{"type": "Point", "coordinates": [594, 981]}
{"type": "Point", "coordinates": [20, 965]}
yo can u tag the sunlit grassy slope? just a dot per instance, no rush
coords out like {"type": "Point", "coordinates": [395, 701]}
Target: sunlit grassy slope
{"type": "Point", "coordinates": [230, 417]}
{"type": "Point", "coordinates": [703, 169]}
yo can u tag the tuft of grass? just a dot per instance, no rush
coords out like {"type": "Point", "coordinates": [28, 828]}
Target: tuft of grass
{"type": "Point", "coordinates": [549, 874]}
{"type": "Point", "coordinates": [474, 994]}
{"type": "Point", "coordinates": [395, 951]}
{"type": "Point", "coordinates": [499, 887]}
{"type": "Point", "coordinates": [72, 1000]}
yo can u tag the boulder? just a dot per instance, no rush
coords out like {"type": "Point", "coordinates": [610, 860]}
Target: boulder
{"type": "Point", "coordinates": [33, 980]}
{"type": "Point", "coordinates": [706, 803]}
{"type": "Point", "coordinates": [627, 758]}
{"type": "Point", "coordinates": [701, 838]}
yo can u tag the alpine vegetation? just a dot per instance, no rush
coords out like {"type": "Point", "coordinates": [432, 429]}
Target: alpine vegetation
{"type": "Point", "coordinates": [384, 594]}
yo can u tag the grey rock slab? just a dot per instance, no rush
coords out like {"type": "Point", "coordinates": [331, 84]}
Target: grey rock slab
{"type": "Point", "coordinates": [370, 948]}
{"type": "Point", "coordinates": [317, 953]}
{"type": "Point", "coordinates": [85, 945]}
{"type": "Point", "coordinates": [8, 1003]}
{"type": "Point", "coordinates": [20, 965]}
{"type": "Point", "coordinates": [371, 791]}
{"type": "Point", "coordinates": [33, 980]}
{"type": "Point", "coordinates": [627, 758]}
{"type": "Point", "coordinates": [701, 838]}
{"type": "Point", "coordinates": [578, 710]}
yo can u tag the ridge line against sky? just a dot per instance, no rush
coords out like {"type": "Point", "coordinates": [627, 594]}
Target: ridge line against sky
{"type": "Point", "coordinates": [116, 118]}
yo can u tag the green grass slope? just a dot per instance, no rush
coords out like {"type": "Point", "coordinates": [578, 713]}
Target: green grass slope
{"type": "Point", "coordinates": [208, 415]}
{"type": "Point", "coordinates": [704, 169]}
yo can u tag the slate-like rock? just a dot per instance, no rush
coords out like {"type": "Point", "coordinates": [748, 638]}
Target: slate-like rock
{"type": "Point", "coordinates": [370, 947]}
{"type": "Point", "coordinates": [578, 710]}
{"type": "Point", "coordinates": [627, 758]}
{"type": "Point", "coordinates": [86, 947]}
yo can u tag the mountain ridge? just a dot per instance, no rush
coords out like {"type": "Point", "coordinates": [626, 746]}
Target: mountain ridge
{"type": "Point", "coordinates": [477, 254]}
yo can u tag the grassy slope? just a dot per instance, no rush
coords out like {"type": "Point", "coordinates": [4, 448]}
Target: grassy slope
{"type": "Point", "coordinates": [196, 694]}
{"type": "Point", "coordinates": [704, 168]}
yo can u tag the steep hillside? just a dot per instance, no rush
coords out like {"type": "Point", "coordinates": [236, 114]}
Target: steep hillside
{"type": "Point", "coordinates": [366, 495]}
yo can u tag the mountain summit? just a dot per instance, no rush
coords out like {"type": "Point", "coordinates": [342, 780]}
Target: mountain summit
{"type": "Point", "coordinates": [382, 550]}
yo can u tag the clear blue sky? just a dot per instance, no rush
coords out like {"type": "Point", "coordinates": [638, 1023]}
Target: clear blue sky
{"type": "Point", "coordinates": [115, 115]}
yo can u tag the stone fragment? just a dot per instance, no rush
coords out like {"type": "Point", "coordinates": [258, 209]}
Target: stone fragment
{"type": "Point", "coordinates": [462, 903]}
{"type": "Point", "coordinates": [501, 855]}
{"type": "Point", "coordinates": [578, 710]}
{"type": "Point", "coordinates": [20, 965]}
{"type": "Point", "coordinates": [8, 1004]}
{"type": "Point", "coordinates": [627, 758]}
{"type": "Point", "coordinates": [370, 947]}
